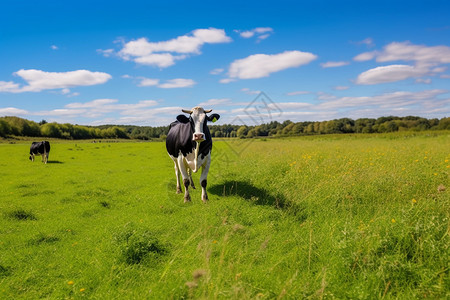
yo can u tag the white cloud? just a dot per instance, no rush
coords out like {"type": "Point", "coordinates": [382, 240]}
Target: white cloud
{"type": "Point", "coordinates": [158, 116]}
{"type": "Point", "coordinates": [216, 102]}
{"type": "Point", "coordinates": [12, 111]}
{"type": "Point", "coordinates": [262, 65]}
{"type": "Point", "coordinates": [439, 69]}
{"type": "Point", "coordinates": [325, 96]}
{"type": "Point", "coordinates": [227, 80]}
{"type": "Point", "coordinates": [365, 56]}
{"type": "Point", "coordinates": [406, 51]}
{"type": "Point", "coordinates": [367, 41]}
{"type": "Point", "coordinates": [162, 60]}
{"type": "Point", "coordinates": [92, 104]}
{"type": "Point", "coordinates": [148, 82]}
{"type": "Point", "coordinates": [40, 80]}
{"type": "Point", "coordinates": [262, 30]}
{"type": "Point", "coordinates": [386, 101]}
{"type": "Point", "coordinates": [9, 86]}
{"type": "Point", "coordinates": [261, 33]}
{"type": "Point", "coordinates": [334, 64]}
{"type": "Point", "coordinates": [106, 53]}
{"type": "Point", "coordinates": [421, 80]}
{"type": "Point", "coordinates": [263, 36]}
{"type": "Point", "coordinates": [426, 60]}
{"type": "Point", "coordinates": [298, 93]}
{"type": "Point", "coordinates": [390, 73]}
{"type": "Point", "coordinates": [290, 105]}
{"type": "Point", "coordinates": [429, 103]}
{"type": "Point", "coordinates": [54, 47]}
{"type": "Point", "coordinates": [102, 106]}
{"type": "Point", "coordinates": [402, 103]}
{"type": "Point", "coordinates": [418, 53]}
{"type": "Point", "coordinates": [168, 84]}
{"type": "Point", "coordinates": [341, 88]}
{"type": "Point", "coordinates": [177, 83]}
{"type": "Point", "coordinates": [247, 34]}
{"type": "Point", "coordinates": [160, 54]}
{"type": "Point", "coordinates": [216, 71]}
{"type": "Point", "coordinates": [62, 112]}
{"type": "Point", "coordinates": [250, 92]}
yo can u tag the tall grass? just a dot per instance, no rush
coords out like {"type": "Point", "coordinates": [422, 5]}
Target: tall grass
{"type": "Point", "coordinates": [359, 217]}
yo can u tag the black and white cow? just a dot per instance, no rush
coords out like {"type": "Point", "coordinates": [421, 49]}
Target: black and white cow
{"type": "Point", "coordinates": [42, 148]}
{"type": "Point", "coordinates": [189, 145]}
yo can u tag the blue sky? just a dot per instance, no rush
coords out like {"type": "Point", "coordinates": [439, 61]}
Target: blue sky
{"type": "Point", "coordinates": [140, 62]}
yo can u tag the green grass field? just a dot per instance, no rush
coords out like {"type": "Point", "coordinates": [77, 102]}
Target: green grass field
{"type": "Point", "coordinates": [334, 217]}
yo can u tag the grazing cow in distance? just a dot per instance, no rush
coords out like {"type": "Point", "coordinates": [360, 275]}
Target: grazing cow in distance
{"type": "Point", "coordinates": [42, 148]}
{"type": "Point", "coordinates": [189, 145]}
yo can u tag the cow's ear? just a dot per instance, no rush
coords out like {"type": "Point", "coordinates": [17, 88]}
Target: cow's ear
{"type": "Point", "coordinates": [182, 119]}
{"type": "Point", "coordinates": [213, 117]}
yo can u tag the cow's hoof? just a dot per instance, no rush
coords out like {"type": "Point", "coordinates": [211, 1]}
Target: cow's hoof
{"type": "Point", "coordinates": [205, 200]}
{"type": "Point", "coordinates": [179, 191]}
{"type": "Point", "coordinates": [187, 199]}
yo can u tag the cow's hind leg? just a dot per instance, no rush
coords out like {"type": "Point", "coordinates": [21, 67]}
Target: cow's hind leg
{"type": "Point", "coordinates": [203, 179]}
{"type": "Point", "coordinates": [190, 178]}
{"type": "Point", "coordinates": [177, 174]}
{"type": "Point", "coordinates": [185, 176]}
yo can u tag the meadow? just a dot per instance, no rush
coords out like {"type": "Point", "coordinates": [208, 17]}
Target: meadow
{"type": "Point", "coordinates": [320, 217]}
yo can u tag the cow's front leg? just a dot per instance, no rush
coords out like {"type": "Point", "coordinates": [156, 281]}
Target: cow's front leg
{"type": "Point", "coordinates": [187, 197]}
{"type": "Point", "coordinates": [203, 178]}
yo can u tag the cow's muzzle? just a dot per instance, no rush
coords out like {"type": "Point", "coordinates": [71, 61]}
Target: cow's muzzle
{"type": "Point", "coordinates": [198, 137]}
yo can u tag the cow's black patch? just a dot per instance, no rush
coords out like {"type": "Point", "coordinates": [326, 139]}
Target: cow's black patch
{"type": "Point", "coordinates": [204, 182]}
{"type": "Point", "coordinates": [186, 183]}
{"type": "Point", "coordinates": [39, 148]}
{"type": "Point", "coordinates": [179, 138]}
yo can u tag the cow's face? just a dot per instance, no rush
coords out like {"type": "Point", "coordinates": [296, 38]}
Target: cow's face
{"type": "Point", "coordinates": [198, 120]}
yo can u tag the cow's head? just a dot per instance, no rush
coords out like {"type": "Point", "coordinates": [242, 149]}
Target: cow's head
{"type": "Point", "coordinates": [198, 120]}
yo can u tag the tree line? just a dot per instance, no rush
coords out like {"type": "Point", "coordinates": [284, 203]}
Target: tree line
{"type": "Point", "coordinates": [15, 126]}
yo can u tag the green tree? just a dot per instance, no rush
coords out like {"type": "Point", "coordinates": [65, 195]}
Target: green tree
{"type": "Point", "coordinates": [242, 132]}
{"type": "Point", "coordinates": [5, 128]}
{"type": "Point", "coordinates": [51, 130]}
{"type": "Point", "coordinates": [444, 123]}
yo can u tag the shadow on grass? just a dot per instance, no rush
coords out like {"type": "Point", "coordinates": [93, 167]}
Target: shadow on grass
{"type": "Point", "coordinates": [249, 192]}
{"type": "Point", "coordinates": [259, 196]}
{"type": "Point", "coordinates": [54, 162]}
